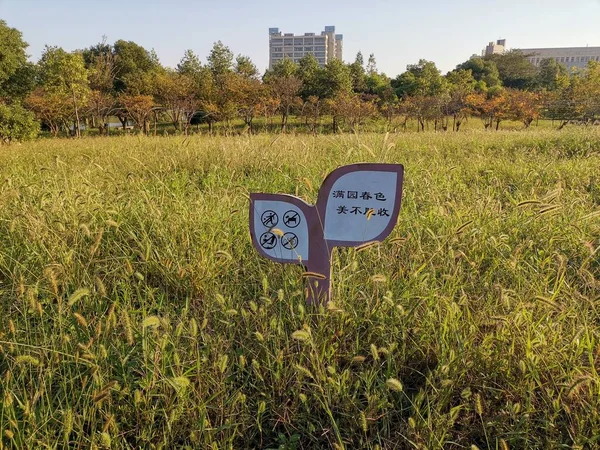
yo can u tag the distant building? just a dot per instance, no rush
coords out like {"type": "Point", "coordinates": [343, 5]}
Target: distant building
{"type": "Point", "coordinates": [324, 47]}
{"type": "Point", "coordinates": [570, 57]}
{"type": "Point", "coordinates": [494, 47]}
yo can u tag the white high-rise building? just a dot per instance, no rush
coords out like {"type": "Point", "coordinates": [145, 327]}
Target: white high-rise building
{"type": "Point", "coordinates": [324, 47]}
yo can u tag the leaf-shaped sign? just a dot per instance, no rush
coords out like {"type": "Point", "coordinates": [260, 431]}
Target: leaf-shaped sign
{"type": "Point", "coordinates": [279, 227]}
{"type": "Point", "coordinates": [357, 204]}
{"type": "Point", "coordinates": [362, 204]}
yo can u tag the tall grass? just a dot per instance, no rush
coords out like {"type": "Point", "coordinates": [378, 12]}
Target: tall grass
{"type": "Point", "coordinates": [134, 312]}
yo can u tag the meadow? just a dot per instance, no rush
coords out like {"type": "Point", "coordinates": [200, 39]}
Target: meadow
{"type": "Point", "coordinates": [135, 313]}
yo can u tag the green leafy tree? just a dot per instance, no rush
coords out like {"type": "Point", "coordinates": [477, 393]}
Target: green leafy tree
{"type": "Point", "coordinates": [310, 74]}
{"type": "Point", "coordinates": [461, 84]}
{"type": "Point", "coordinates": [101, 63]}
{"type": "Point", "coordinates": [357, 72]}
{"type": "Point", "coordinates": [132, 62]}
{"type": "Point", "coordinates": [515, 70]}
{"type": "Point", "coordinates": [587, 92]}
{"type": "Point", "coordinates": [17, 76]}
{"type": "Point", "coordinates": [282, 69]}
{"type": "Point", "coordinates": [336, 79]}
{"type": "Point", "coordinates": [376, 83]}
{"type": "Point", "coordinates": [190, 64]}
{"type": "Point", "coordinates": [220, 59]}
{"type": "Point", "coordinates": [284, 85]}
{"type": "Point", "coordinates": [551, 76]}
{"type": "Point", "coordinates": [245, 67]}
{"type": "Point", "coordinates": [19, 84]}
{"type": "Point", "coordinates": [65, 73]}
{"type": "Point", "coordinates": [422, 79]}
{"type": "Point", "coordinates": [17, 124]}
{"type": "Point", "coordinates": [371, 65]}
{"type": "Point", "coordinates": [12, 51]}
{"type": "Point", "coordinates": [483, 70]}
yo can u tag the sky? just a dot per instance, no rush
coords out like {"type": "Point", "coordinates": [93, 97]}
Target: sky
{"type": "Point", "coordinates": [398, 32]}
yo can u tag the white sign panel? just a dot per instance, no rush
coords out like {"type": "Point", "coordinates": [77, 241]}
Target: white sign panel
{"type": "Point", "coordinates": [360, 206]}
{"type": "Point", "coordinates": [281, 230]}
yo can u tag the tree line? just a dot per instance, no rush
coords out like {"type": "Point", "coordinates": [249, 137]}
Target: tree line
{"type": "Point", "coordinates": [65, 90]}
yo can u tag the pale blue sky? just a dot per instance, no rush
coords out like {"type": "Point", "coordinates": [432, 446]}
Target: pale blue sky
{"type": "Point", "coordinates": [398, 32]}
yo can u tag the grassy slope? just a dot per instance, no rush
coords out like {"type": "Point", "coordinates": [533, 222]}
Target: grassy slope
{"type": "Point", "coordinates": [134, 310]}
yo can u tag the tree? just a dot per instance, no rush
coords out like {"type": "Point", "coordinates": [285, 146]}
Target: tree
{"type": "Point", "coordinates": [220, 59]}
{"type": "Point", "coordinates": [311, 111]}
{"type": "Point", "coordinates": [423, 79]}
{"type": "Point", "coordinates": [177, 93]}
{"type": "Point", "coordinates": [336, 79]}
{"type": "Point", "coordinates": [17, 124]}
{"type": "Point", "coordinates": [349, 108]}
{"type": "Point", "coordinates": [562, 103]}
{"type": "Point", "coordinates": [65, 73]}
{"type": "Point", "coordinates": [461, 84]}
{"type": "Point", "coordinates": [249, 94]}
{"type": "Point", "coordinates": [484, 70]}
{"type": "Point", "coordinates": [101, 105]}
{"type": "Point", "coordinates": [376, 83]}
{"type": "Point", "coordinates": [19, 84]}
{"type": "Point", "coordinates": [523, 106]}
{"type": "Point", "coordinates": [12, 51]}
{"type": "Point", "coordinates": [245, 67]}
{"type": "Point", "coordinates": [208, 96]}
{"type": "Point", "coordinates": [310, 74]}
{"type": "Point", "coordinates": [514, 69]}
{"type": "Point", "coordinates": [357, 72]}
{"type": "Point", "coordinates": [371, 65]}
{"type": "Point", "coordinates": [189, 64]}
{"type": "Point", "coordinates": [282, 69]}
{"type": "Point", "coordinates": [587, 92]}
{"type": "Point", "coordinates": [17, 76]}
{"type": "Point", "coordinates": [53, 109]}
{"type": "Point", "coordinates": [132, 61]}
{"type": "Point", "coordinates": [551, 76]}
{"type": "Point", "coordinates": [101, 62]}
{"type": "Point", "coordinates": [139, 108]}
{"type": "Point", "coordinates": [490, 107]}
{"type": "Point", "coordinates": [284, 85]}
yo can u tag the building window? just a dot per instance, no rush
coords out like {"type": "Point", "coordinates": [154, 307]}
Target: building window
{"type": "Point", "coordinates": [297, 49]}
{"type": "Point", "coordinates": [277, 41]}
{"type": "Point", "coordinates": [288, 42]}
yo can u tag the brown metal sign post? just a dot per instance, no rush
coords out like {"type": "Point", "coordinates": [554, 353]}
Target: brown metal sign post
{"type": "Point", "coordinates": [356, 204]}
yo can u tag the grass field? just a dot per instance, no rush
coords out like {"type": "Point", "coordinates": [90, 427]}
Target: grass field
{"type": "Point", "coordinates": [134, 312]}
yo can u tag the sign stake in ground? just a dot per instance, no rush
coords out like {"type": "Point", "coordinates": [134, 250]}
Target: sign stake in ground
{"type": "Point", "coordinates": [356, 204]}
